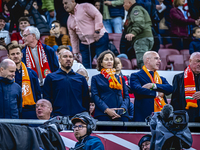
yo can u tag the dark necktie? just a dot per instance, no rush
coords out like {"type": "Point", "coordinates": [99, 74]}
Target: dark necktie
{"type": "Point", "coordinates": [152, 73]}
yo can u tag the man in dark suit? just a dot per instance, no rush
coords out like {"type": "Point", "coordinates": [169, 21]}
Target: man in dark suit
{"type": "Point", "coordinates": [179, 95]}
{"type": "Point", "coordinates": [147, 85]}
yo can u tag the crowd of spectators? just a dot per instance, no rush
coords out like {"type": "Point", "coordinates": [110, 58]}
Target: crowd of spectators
{"type": "Point", "coordinates": [56, 70]}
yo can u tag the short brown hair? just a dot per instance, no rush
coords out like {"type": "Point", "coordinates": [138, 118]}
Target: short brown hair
{"type": "Point", "coordinates": [62, 47]}
{"type": "Point", "coordinates": [101, 57]}
{"type": "Point", "coordinates": [176, 3]}
{"type": "Point", "coordinates": [195, 28]}
{"type": "Point", "coordinates": [13, 46]}
{"type": "Point", "coordinates": [24, 19]}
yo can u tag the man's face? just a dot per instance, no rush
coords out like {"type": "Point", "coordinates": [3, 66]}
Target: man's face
{"type": "Point", "coordinates": [66, 59]}
{"type": "Point", "coordinates": [15, 55]}
{"type": "Point", "coordinates": [69, 5]}
{"type": "Point", "coordinates": [23, 25]}
{"type": "Point", "coordinates": [195, 64]}
{"type": "Point", "coordinates": [146, 145]}
{"type": "Point", "coordinates": [127, 4]}
{"type": "Point", "coordinates": [78, 132]}
{"type": "Point", "coordinates": [197, 34]}
{"type": "Point", "coordinates": [9, 72]}
{"type": "Point", "coordinates": [154, 62]}
{"type": "Point", "coordinates": [2, 24]}
{"type": "Point", "coordinates": [35, 5]}
{"type": "Point", "coordinates": [28, 38]}
{"type": "Point", "coordinates": [57, 28]}
{"type": "Point", "coordinates": [43, 110]}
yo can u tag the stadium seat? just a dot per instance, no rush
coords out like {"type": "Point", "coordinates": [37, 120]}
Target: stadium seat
{"type": "Point", "coordinates": [163, 53]}
{"type": "Point", "coordinates": [126, 63]}
{"type": "Point", "coordinates": [94, 63]}
{"type": "Point", "coordinates": [186, 55]}
{"type": "Point", "coordinates": [3, 54]}
{"type": "Point", "coordinates": [134, 63]}
{"type": "Point", "coordinates": [115, 38]}
{"type": "Point", "coordinates": [176, 61]}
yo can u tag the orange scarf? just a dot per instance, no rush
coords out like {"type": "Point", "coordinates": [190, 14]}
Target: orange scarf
{"type": "Point", "coordinates": [110, 75]}
{"type": "Point", "coordinates": [27, 94]}
{"type": "Point", "coordinates": [190, 88]}
{"type": "Point", "coordinates": [44, 65]}
{"type": "Point", "coordinates": [159, 102]}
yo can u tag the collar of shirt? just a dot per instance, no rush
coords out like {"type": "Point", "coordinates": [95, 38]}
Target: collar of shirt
{"type": "Point", "coordinates": [60, 71]}
{"type": "Point", "coordinates": [75, 9]}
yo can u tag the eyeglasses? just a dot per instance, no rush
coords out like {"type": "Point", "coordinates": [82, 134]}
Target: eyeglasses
{"type": "Point", "coordinates": [80, 127]}
{"type": "Point", "coordinates": [26, 35]}
{"type": "Point", "coordinates": [145, 144]}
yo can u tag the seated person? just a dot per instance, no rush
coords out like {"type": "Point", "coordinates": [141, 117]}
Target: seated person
{"type": "Point", "coordinates": [43, 109]}
{"type": "Point", "coordinates": [35, 5]}
{"type": "Point", "coordinates": [83, 124]}
{"type": "Point", "coordinates": [16, 38]}
{"type": "Point", "coordinates": [92, 109]}
{"type": "Point", "coordinates": [195, 45]}
{"type": "Point", "coordinates": [56, 39]}
{"type": "Point", "coordinates": [144, 142]}
{"type": "Point", "coordinates": [82, 72]}
{"type": "Point", "coordinates": [4, 35]}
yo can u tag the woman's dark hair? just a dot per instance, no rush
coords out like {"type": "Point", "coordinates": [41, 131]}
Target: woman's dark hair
{"type": "Point", "coordinates": [101, 57]}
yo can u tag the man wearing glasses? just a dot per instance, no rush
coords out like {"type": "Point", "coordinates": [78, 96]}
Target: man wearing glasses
{"type": "Point", "coordinates": [83, 124]}
{"type": "Point", "coordinates": [144, 142]}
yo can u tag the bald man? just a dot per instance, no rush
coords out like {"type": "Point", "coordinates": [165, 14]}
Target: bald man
{"type": "Point", "coordinates": [10, 92]}
{"type": "Point", "coordinates": [66, 90]}
{"type": "Point", "coordinates": [83, 72]}
{"type": "Point", "coordinates": [147, 86]}
{"type": "Point", "coordinates": [186, 89]}
{"type": "Point", "coordinates": [43, 109]}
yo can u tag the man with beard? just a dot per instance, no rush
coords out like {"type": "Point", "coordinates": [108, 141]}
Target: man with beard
{"type": "Point", "coordinates": [65, 89]}
{"type": "Point", "coordinates": [28, 80]}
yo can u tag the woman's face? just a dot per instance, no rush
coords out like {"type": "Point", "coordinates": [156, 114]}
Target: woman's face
{"type": "Point", "coordinates": [182, 2]}
{"type": "Point", "coordinates": [118, 64]}
{"type": "Point", "coordinates": [108, 61]}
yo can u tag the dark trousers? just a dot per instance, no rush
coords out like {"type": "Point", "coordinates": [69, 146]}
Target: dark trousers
{"type": "Point", "coordinates": [89, 51]}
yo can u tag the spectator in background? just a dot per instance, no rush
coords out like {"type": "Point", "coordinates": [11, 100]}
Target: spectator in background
{"type": "Point", "coordinates": [137, 30]}
{"type": "Point", "coordinates": [37, 56]}
{"type": "Point", "coordinates": [180, 22]}
{"type": "Point", "coordinates": [110, 97]}
{"type": "Point", "coordinates": [35, 5]}
{"type": "Point", "coordinates": [43, 109]}
{"type": "Point", "coordinates": [28, 80]}
{"type": "Point", "coordinates": [83, 72]}
{"type": "Point", "coordinates": [186, 89]}
{"type": "Point", "coordinates": [92, 109]}
{"type": "Point", "coordinates": [65, 89]}
{"type": "Point", "coordinates": [149, 88]}
{"type": "Point", "coordinates": [145, 142]}
{"type": "Point", "coordinates": [85, 25]}
{"type": "Point", "coordinates": [4, 35]}
{"type": "Point", "coordinates": [49, 9]}
{"type": "Point", "coordinates": [56, 38]}
{"type": "Point", "coordinates": [195, 45]}
{"type": "Point", "coordinates": [16, 37]}
{"type": "Point", "coordinates": [113, 14]}
{"type": "Point", "coordinates": [10, 92]}
{"type": "Point", "coordinates": [98, 5]}
{"type": "Point", "coordinates": [6, 14]}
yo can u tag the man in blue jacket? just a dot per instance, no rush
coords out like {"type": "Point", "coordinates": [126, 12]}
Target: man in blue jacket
{"type": "Point", "coordinates": [66, 90]}
{"type": "Point", "coordinates": [10, 92]}
{"type": "Point", "coordinates": [37, 56]}
{"type": "Point", "coordinates": [28, 111]}
{"type": "Point", "coordinates": [146, 87]}
{"type": "Point", "coordinates": [83, 125]}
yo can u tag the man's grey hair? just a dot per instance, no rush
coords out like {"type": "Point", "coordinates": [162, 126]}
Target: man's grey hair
{"type": "Point", "coordinates": [5, 63]}
{"type": "Point", "coordinates": [34, 30]}
{"type": "Point", "coordinates": [194, 54]}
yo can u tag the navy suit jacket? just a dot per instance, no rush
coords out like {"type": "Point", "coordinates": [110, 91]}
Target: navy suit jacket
{"type": "Point", "coordinates": [178, 97]}
{"type": "Point", "coordinates": [51, 57]}
{"type": "Point", "coordinates": [144, 98]}
{"type": "Point", "coordinates": [104, 97]}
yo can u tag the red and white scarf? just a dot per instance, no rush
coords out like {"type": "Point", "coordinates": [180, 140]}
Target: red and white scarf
{"type": "Point", "coordinates": [190, 88]}
{"type": "Point", "coordinates": [44, 65]}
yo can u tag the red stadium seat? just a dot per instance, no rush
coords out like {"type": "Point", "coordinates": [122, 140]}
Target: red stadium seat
{"type": "Point", "coordinates": [134, 63]}
{"type": "Point", "coordinates": [94, 63]}
{"type": "Point", "coordinates": [176, 61]}
{"type": "Point", "coordinates": [126, 63]}
{"type": "Point", "coordinates": [3, 54]}
{"type": "Point", "coordinates": [163, 53]}
{"type": "Point", "coordinates": [186, 55]}
{"type": "Point", "coordinates": [115, 38]}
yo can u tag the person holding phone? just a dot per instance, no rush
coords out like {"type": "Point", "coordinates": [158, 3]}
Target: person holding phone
{"type": "Point", "coordinates": [108, 93]}
{"type": "Point", "coordinates": [4, 35]}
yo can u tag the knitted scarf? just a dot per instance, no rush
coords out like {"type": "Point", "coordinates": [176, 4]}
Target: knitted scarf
{"type": "Point", "coordinates": [44, 65]}
{"type": "Point", "coordinates": [159, 102]}
{"type": "Point", "coordinates": [27, 94]}
{"type": "Point", "coordinates": [110, 75]}
{"type": "Point", "coordinates": [190, 88]}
